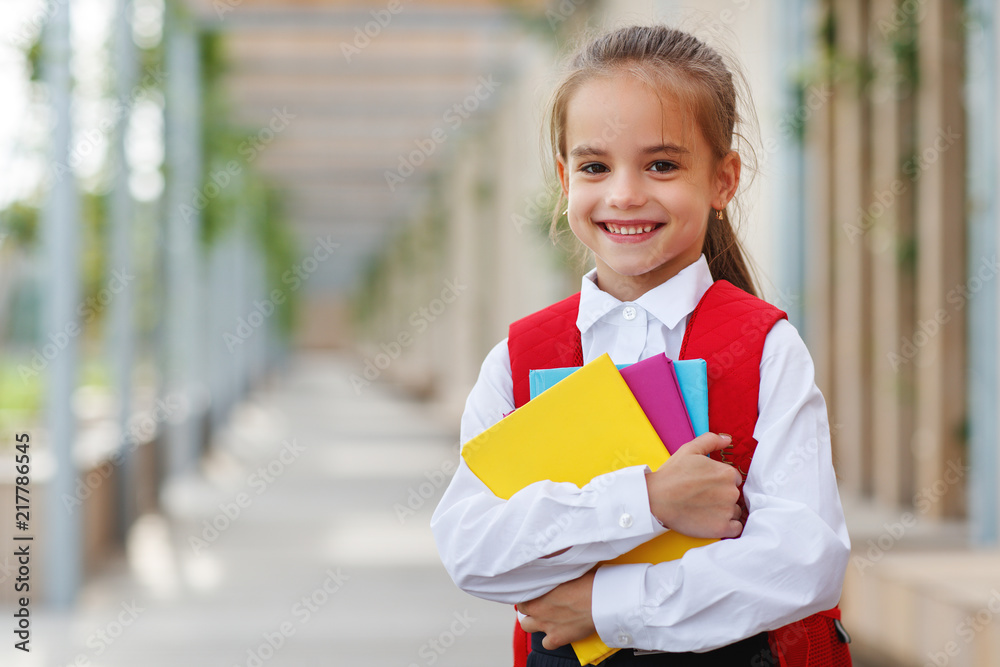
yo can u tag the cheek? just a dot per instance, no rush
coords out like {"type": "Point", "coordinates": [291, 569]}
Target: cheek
{"type": "Point", "coordinates": [581, 198]}
{"type": "Point", "coordinates": [584, 232]}
{"type": "Point", "coordinates": [687, 201]}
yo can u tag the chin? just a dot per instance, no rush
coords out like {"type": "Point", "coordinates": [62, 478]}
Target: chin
{"type": "Point", "coordinates": [632, 271]}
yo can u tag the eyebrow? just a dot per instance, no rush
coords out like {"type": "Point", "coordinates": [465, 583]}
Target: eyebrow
{"type": "Point", "coordinates": [592, 151]}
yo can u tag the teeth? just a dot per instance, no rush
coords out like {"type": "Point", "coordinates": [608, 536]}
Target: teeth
{"type": "Point", "coordinates": [628, 231]}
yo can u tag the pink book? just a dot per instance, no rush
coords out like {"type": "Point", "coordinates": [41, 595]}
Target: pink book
{"type": "Point", "coordinates": [654, 384]}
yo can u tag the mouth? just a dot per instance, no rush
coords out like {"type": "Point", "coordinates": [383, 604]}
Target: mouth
{"type": "Point", "coordinates": [632, 230]}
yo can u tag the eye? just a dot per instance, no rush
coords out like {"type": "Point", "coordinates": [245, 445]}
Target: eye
{"type": "Point", "coordinates": [594, 168]}
{"type": "Point", "coordinates": [663, 167]}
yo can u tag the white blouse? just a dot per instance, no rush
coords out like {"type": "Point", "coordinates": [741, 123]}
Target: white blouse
{"type": "Point", "coordinates": [788, 563]}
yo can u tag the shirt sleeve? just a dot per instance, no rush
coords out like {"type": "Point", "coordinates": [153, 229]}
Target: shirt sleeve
{"type": "Point", "coordinates": [512, 551]}
{"type": "Point", "coordinates": [789, 561]}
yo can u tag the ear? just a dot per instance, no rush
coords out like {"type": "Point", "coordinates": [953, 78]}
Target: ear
{"type": "Point", "coordinates": [727, 179]}
{"type": "Point", "coordinates": [563, 174]}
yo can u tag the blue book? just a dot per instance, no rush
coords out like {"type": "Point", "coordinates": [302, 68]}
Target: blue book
{"type": "Point", "coordinates": [692, 376]}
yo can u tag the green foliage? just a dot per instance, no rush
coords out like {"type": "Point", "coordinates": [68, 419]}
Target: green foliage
{"type": "Point", "coordinates": [94, 253]}
{"type": "Point", "coordinates": [20, 222]}
{"type": "Point", "coordinates": [222, 158]}
{"type": "Point", "coordinates": [21, 400]}
{"type": "Point", "coordinates": [220, 141]}
{"type": "Point", "coordinates": [906, 255]}
{"type": "Point", "coordinates": [278, 245]}
{"type": "Point", "coordinates": [904, 46]}
{"type": "Point", "coordinates": [33, 54]}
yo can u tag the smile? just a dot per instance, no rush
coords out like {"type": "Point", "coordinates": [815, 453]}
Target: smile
{"type": "Point", "coordinates": [630, 229]}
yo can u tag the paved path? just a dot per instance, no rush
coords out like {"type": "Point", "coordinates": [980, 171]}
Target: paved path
{"type": "Point", "coordinates": [317, 567]}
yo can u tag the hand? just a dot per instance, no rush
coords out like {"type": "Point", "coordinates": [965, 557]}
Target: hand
{"type": "Point", "coordinates": [563, 613]}
{"type": "Point", "coordinates": [695, 495]}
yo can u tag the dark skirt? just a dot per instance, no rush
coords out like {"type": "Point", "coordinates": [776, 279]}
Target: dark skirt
{"type": "Point", "coordinates": [751, 652]}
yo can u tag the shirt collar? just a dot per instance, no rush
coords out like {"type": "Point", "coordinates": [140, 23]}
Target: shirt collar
{"type": "Point", "coordinates": [669, 303]}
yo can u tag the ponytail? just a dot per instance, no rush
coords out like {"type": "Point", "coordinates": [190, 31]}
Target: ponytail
{"type": "Point", "coordinates": [725, 255]}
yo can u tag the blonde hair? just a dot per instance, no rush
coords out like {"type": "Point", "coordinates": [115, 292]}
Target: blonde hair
{"type": "Point", "coordinates": [694, 73]}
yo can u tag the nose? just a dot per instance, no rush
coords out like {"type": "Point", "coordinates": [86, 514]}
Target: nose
{"type": "Point", "coordinates": [625, 191]}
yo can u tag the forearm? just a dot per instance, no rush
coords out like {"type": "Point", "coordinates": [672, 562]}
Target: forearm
{"type": "Point", "coordinates": [785, 566]}
{"type": "Point", "coordinates": [546, 534]}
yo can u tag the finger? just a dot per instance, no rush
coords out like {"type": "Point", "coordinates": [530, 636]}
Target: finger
{"type": "Point", "coordinates": [735, 528]}
{"type": "Point", "coordinates": [528, 624]}
{"type": "Point", "coordinates": [706, 443]}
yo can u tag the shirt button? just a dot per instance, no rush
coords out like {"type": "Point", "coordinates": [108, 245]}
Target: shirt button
{"type": "Point", "coordinates": [625, 520]}
{"type": "Point", "coordinates": [624, 638]}
{"type": "Point", "coordinates": [629, 313]}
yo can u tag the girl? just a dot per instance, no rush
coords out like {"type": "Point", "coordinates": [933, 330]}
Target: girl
{"type": "Point", "coordinates": [642, 129]}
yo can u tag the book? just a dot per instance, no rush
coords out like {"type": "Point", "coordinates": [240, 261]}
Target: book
{"type": "Point", "coordinates": [654, 384]}
{"type": "Point", "coordinates": [587, 424]}
{"type": "Point", "coordinates": [692, 380]}
{"type": "Point", "coordinates": [692, 376]}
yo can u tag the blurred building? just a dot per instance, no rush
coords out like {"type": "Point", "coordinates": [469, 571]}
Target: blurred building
{"type": "Point", "coordinates": [402, 144]}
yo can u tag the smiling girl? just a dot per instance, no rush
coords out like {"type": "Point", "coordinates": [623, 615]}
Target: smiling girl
{"type": "Point", "coordinates": [649, 201]}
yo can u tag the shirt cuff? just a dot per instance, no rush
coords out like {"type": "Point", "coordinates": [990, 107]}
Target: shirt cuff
{"type": "Point", "coordinates": [617, 604]}
{"type": "Point", "coordinates": [624, 512]}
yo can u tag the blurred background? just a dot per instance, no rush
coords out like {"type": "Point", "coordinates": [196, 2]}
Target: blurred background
{"type": "Point", "coordinates": [252, 253]}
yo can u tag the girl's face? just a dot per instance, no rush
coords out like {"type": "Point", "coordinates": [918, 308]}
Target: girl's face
{"type": "Point", "coordinates": [641, 182]}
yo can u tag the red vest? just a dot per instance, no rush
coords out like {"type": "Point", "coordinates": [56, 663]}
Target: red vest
{"type": "Point", "coordinates": [727, 330]}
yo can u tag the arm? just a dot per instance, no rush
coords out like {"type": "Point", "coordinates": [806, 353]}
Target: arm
{"type": "Point", "coordinates": [547, 533]}
{"type": "Point", "coordinates": [790, 560]}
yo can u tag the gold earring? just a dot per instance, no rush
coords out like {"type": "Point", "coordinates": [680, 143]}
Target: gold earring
{"type": "Point", "coordinates": [566, 212]}
{"type": "Point", "coordinates": [718, 215]}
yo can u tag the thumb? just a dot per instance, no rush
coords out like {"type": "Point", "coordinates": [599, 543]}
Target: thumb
{"type": "Point", "coordinates": [705, 444]}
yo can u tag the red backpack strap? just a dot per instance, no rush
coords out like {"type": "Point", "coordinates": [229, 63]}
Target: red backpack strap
{"type": "Point", "coordinates": [727, 330]}
{"type": "Point", "coordinates": [545, 339]}
{"type": "Point", "coordinates": [548, 338]}
{"type": "Point", "coordinates": [522, 646]}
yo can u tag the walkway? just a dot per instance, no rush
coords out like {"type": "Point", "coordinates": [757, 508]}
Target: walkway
{"type": "Point", "coordinates": [291, 549]}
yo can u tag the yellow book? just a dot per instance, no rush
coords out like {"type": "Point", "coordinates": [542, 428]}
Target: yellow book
{"type": "Point", "coordinates": [584, 426]}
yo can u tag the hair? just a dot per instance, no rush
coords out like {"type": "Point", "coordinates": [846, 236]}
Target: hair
{"type": "Point", "coordinates": [696, 76]}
